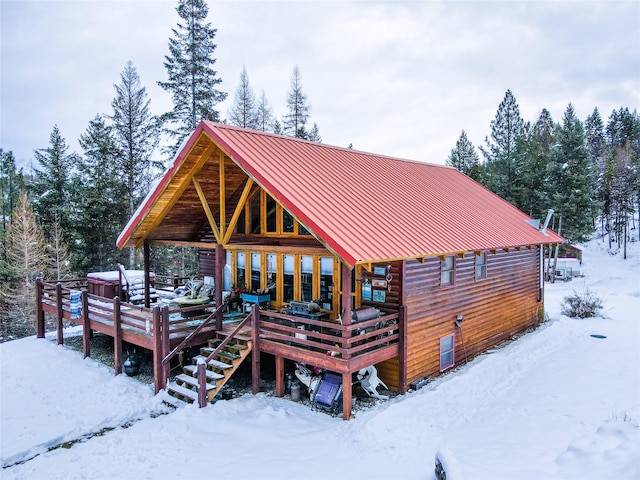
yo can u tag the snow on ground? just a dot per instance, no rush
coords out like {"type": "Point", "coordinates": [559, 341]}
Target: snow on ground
{"type": "Point", "coordinates": [556, 403]}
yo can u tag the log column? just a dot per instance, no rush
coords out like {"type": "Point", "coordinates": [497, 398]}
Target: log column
{"type": "Point", "coordinates": [221, 260]}
{"type": "Point", "coordinates": [346, 279]}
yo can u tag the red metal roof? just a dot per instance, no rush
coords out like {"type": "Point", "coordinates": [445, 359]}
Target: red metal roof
{"type": "Point", "coordinates": [366, 207]}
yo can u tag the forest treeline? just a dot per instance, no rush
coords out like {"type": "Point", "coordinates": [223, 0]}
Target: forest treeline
{"type": "Point", "coordinates": [62, 219]}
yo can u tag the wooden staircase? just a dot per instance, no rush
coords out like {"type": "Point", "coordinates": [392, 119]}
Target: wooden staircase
{"type": "Point", "coordinates": [184, 388]}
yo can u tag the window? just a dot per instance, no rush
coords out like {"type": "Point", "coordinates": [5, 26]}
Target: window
{"type": "Point", "coordinates": [254, 213]}
{"type": "Point", "coordinates": [272, 275]}
{"type": "Point", "coordinates": [287, 222]}
{"type": "Point", "coordinates": [271, 214]}
{"type": "Point", "coordinates": [481, 265]}
{"type": "Point", "coordinates": [447, 357]}
{"type": "Point", "coordinates": [288, 286]}
{"type": "Point", "coordinates": [306, 278]}
{"type": "Point", "coordinates": [447, 268]}
{"type": "Point", "coordinates": [241, 281]}
{"type": "Point", "coordinates": [256, 260]}
{"type": "Point", "coordinates": [326, 283]}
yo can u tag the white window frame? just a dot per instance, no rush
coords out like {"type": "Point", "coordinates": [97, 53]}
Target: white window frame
{"type": "Point", "coordinates": [449, 350]}
{"type": "Point", "coordinates": [481, 268]}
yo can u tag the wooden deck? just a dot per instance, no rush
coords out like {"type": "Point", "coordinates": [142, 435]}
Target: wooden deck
{"type": "Point", "coordinates": [343, 349]}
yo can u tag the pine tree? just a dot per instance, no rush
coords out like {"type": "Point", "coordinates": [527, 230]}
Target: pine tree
{"type": "Point", "coordinates": [52, 183]}
{"type": "Point", "coordinates": [11, 184]}
{"type": "Point", "coordinates": [464, 158]}
{"type": "Point", "coordinates": [539, 146]}
{"type": "Point", "coordinates": [570, 179]}
{"type": "Point", "coordinates": [192, 80]}
{"type": "Point", "coordinates": [264, 114]}
{"type": "Point", "coordinates": [135, 132]}
{"type": "Point", "coordinates": [59, 265]}
{"type": "Point", "coordinates": [103, 204]}
{"type": "Point", "coordinates": [597, 149]}
{"type": "Point", "coordinates": [26, 260]}
{"type": "Point", "coordinates": [314, 134]}
{"type": "Point", "coordinates": [504, 156]}
{"type": "Point", "coordinates": [244, 111]}
{"type": "Point", "coordinates": [294, 121]}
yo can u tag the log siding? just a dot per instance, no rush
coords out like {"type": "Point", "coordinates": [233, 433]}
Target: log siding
{"type": "Point", "coordinates": [494, 308]}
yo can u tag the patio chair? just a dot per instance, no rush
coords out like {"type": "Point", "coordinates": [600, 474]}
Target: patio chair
{"type": "Point", "coordinates": [328, 393]}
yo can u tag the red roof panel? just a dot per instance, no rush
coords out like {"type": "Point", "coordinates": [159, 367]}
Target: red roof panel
{"type": "Point", "coordinates": [367, 207]}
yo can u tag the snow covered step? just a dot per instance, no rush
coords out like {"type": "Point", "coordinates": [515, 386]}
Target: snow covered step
{"type": "Point", "coordinates": [182, 391]}
{"type": "Point", "coordinates": [193, 381]}
{"type": "Point", "coordinates": [213, 363]}
{"type": "Point", "coordinates": [211, 376]}
{"type": "Point", "coordinates": [174, 401]}
{"type": "Point", "coordinates": [209, 351]}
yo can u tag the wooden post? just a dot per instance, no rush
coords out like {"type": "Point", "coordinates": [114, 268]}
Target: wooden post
{"type": "Point", "coordinates": [221, 259]}
{"type": "Point", "coordinates": [147, 278]}
{"type": "Point", "coordinates": [279, 376]}
{"type": "Point", "coordinates": [86, 325]}
{"type": "Point", "coordinates": [255, 353]}
{"type": "Point", "coordinates": [117, 337]}
{"type": "Point", "coordinates": [403, 352]}
{"type": "Point", "coordinates": [39, 311]}
{"type": "Point", "coordinates": [157, 352]}
{"type": "Point", "coordinates": [346, 274]}
{"type": "Point", "coordinates": [202, 383]}
{"type": "Point", "coordinates": [59, 313]}
{"type": "Point", "coordinates": [166, 346]}
{"type": "Point", "coordinates": [346, 396]}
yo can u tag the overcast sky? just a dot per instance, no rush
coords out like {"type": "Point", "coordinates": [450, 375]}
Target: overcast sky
{"type": "Point", "coordinates": [396, 78]}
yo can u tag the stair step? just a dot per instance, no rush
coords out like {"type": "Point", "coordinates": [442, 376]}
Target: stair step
{"type": "Point", "coordinates": [211, 376]}
{"type": "Point", "coordinates": [213, 363]}
{"type": "Point", "coordinates": [193, 381]}
{"type": "Point", "coordinates": [229, 346]}
{"type": "Point", "coordinates": [222, 353]}
{"type": "Point", "coordinates": [174, 402]}
{"type": "Point", "coordinates": [185, 392]}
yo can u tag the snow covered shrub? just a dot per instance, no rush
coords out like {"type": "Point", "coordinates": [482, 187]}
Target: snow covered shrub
{"type": "Point", "coordinates": [582, 305]}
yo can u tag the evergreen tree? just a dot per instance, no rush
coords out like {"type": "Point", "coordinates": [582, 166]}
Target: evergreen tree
{"type": "Point", "coordinates": [26, 260]}
{"type": "Point", "coordinates": [464, 158]}
{"type": "Point", "coordinates": [103, 204]}
{"type": "Point", "coordinates": [505, 156]}
{"type": "Point", "coordinates": [597, 149]}
{"type": "Point", "coordinates": [264, 114]}
{"type": "Point", "coordinates": [622, 192]}
{"type": "Point", "coordinates": [294, 121]}
{"type": "Point", "coordinates": [11, 184]}
{"type": "Point", "coordinates": [570, 179]}
{"type": "Point", "coordinates": [244, 111]}
{"type": "Point", "coordinates": [314, 134]}
{"type": "Point", "coordinates": [135, 132]}
{"type": "Point", "coordinates": [277, 128]}
{"type": "Point", "coordinates": [539, 145]}
{"type": "Point", "coordinates": [192, 80]}
{"type": "Point", "coordinates": [52, 183]}
{"type": "Point", "coordinates": [59, 265]}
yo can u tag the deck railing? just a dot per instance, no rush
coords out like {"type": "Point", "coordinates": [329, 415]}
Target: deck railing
{"type": "Point", "coordinates": [325, 343]}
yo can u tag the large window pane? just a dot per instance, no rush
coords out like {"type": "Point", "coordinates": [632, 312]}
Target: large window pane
{"type": "Point", "coordinates": [287, 222]}
{"type": "Point", "coordinates": [254, 215]}
{"type": "Point", "coordinates": [287, 278]}
{"type": "Point", "coordinates": [326, 283]}
{"type": "Point", "coordinates": [241, 281]}
{"type": "Point", "coordinates": [255, 271]}
{"type": "Point", "coordinates": [306, 280]}
{"type": "Point", "coordinates": [271, 215]}
{"type": "Point", "coordinates": [272, 275]}
{"type": "Point", "coordinates": [447, 352]}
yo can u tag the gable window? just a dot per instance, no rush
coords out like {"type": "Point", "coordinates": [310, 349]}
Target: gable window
{"type": "Point", "coordinates": [447, 354]}
{"type": "Point", "coordinates": [481, 265]}
{"type": "Point", "coordinates": [447, 271]}
{"type": "Point", "coordinates": [271, 214]}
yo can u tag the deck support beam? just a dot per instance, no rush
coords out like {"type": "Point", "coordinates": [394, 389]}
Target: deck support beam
{"type": "Point", "coordinates": [279, 376]}
{"type": "Point", "coordinates": [117, 336]}
{"type": "Point", "coordinates": [147, 277]}
{"type": "Point", "coordinates": [39, 310]}
{"type": "Point", "coordinates": [255, 349]}
{"type": "Point", "coordinates": [346, 276]}
{"type": "Point", "coordinates": [59, 314]}
{"type": "Point", "coordinates": [86, 325]}
{"type": "Point", "coordinates": [157, 352]}
{"type": "Point", "coordinates": [221, 260]}
{"type": "Point", "coordinates": [402, 357]}
{"type": "Point", "coordinates": [166, 346]}
{"type": "Point", "coordinates": [346, 396]}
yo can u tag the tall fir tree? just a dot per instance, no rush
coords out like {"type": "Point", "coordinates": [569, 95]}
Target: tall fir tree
{"type": "Point", "coordinates": [539, 146]}
{"type": "Point", "coordinates": [135, 132]}
{"type": "Point", "coordinates": [103, 205]}
{"type": "Point", "coordinates": [244, 111]}
{"type": "Point", "coordinates": [264, 114]}
{"type": "Point", "coordinates": [192, 79]}
{"type": "Point", "coordinates": [504, 155]}
{"type": "Point", "coordinates": [52, 183]}
{"type": "Point", "coordinates": [59, 263]}
{"type": "Point", "coordinates": [11, 185]}
{"type": "Point", "coordinates": [570, 179]}
{"type": "Point", "coordinates": [597, 149]}
{"type": "Point", "coordinates": [294, 121]}
{"type": "Point", "coordinates": [464, 158]}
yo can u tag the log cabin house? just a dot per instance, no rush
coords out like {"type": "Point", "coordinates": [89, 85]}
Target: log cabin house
{"type": "Point", "coordinates": [451, 267]}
